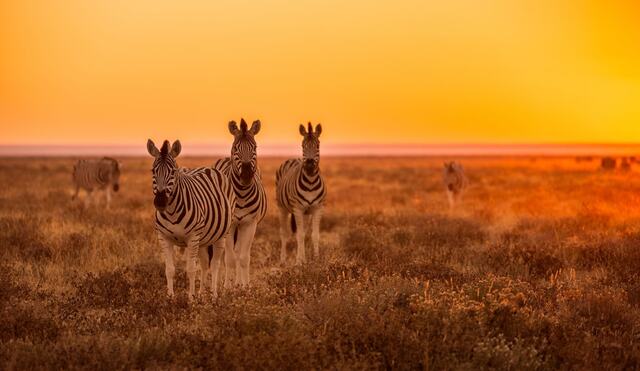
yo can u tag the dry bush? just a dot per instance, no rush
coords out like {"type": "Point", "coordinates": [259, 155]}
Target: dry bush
{"type": "Point", "coordinates": [537, 269]}
{"type": "Point", "coordinates": [23, 238]}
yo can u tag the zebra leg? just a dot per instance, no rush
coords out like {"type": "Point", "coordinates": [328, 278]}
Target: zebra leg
{"type": "Point", "coordinates": [203, 255]}
{"type": "Point", "coordinates": [218, 249]}
{"type": "Point", "coordinates": [230, 258]}
{"type": "Point", "coordinates": [169, 266]}
{"type": "Point", "coordinates": [300, 234]}
{"type": "Point", "coordinates": [284, 235]}
{"type": "Point", "coordinates": [95, 197]}
{"type": "Point", "coordinates": [108, 196]}
{"type": "Point", "coordinates": [315, 231]}
{"type": "Point", "coordinates": [451, 199]}
{"type": "Point", "coordinates": [75, 194]}
{"type": "Point", "coordinates": [246, 234]}
{"type": "Point", "coordinates": [87, 199]}
{"type": "Point", "coordinates": [192, 253]}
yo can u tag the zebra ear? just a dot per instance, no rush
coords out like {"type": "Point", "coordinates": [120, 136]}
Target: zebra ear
{"type": "Point", "coordinates": [255, 127]}
{"type": "Point", "coordinates": [176, 148]}
{"type": "Point", "coordinates": [152, 149]}
{"type": "Point", "coordinates": [303, 131]}
{"type": "Point", "coordinates": [233, 128]}
{"type": "Point", "coordinates": [318, 130]}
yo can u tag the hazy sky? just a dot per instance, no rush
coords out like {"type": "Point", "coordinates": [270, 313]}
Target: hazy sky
{"type": "Point", "coordinates": [109, 72]}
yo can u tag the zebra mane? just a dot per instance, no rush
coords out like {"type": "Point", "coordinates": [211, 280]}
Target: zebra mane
{"type": "Point", "coordinates": [310, 133]}
{"type": "Point", "coordinates": [244, 134]}
{"type": "Point", "coordinates": [165, 148]}
{"type": "Point", "coordinates": [113, 161]}
{"type": "Point", "coordinates": [243, 126]}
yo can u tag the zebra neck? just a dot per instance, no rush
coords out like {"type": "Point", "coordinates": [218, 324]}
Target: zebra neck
{"type": "Point", "coordinates": [304, 178]}
{"type": "Point", "coordinates": [172, 206]}
{"type": "Point", "coordinates": [238, 186]}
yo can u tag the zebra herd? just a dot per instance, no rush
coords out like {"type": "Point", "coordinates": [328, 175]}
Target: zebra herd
{"type": "Point", "coordinates": [211, 212]}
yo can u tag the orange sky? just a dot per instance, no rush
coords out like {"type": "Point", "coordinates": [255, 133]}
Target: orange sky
{"type": "Point", "coordinates": [119, 71]}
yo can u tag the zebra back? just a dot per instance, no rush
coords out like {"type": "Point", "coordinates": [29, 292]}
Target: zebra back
{"type": "Point", "coordinates": [90, 174]}
{"type": "Point", "coordinates": [202, 203]}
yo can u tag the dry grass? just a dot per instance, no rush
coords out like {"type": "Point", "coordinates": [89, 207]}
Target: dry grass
{"type": "Point", "coordinates": [537, 270]}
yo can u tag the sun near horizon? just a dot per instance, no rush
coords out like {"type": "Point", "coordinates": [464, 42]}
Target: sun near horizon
{"type": "Point", "coordinates": [500, 72]}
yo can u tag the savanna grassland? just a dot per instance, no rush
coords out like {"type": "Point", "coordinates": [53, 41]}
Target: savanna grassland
{"type": "Point", "coordinates": [538, 269]}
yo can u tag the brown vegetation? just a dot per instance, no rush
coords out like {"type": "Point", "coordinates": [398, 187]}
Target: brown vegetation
{"type": "Point", "coordinates": [537, 269]}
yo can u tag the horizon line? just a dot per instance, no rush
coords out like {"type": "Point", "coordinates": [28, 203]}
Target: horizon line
{"type": "Point", "coordinates": [338, 149]}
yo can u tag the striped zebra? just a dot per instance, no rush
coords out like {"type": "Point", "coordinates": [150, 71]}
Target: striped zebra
{"type": "Point", "coordinates": [455, 182]}
{"type": "Point", "coordinates": [301, 192]}
{"type": "Point", "coordinates": [251, 199]}
{"type": "Point", "coordinates": [96, 175]}
{"type": "Point", "coordinates": [194, 209]}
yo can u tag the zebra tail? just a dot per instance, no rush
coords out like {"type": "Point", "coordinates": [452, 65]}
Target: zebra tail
{"type": "Point", "coordinates": [210, 253]}
{"type": "Point", "coordinates": [235, 237]}
{"type": "Point", "coordinates": [294, 227]}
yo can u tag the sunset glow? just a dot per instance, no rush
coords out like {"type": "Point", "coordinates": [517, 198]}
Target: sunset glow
{"type": "Point", "coordinates": [117, 72]}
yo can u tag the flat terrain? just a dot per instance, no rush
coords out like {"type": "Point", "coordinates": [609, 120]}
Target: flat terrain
{"type": "Point", "coordinates": [538, 269]}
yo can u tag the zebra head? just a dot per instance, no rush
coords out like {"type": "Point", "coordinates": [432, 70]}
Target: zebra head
{"type": "Point", "coordinates": [244, 159]}
{"type": "Point", "coordinates": [310, 148]}
{"type": "Point", "coordinates": [164, 171]}
{"type": "Point", "coordinates": [114, 170]}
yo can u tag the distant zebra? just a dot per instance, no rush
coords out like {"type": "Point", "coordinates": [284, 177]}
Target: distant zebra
{"type": "Point", "coordinates": [455, 182]}
{"type": "Point", "coordinates": [251, 199]}
{"type": "Point", "coordinates": [96, 175]}
{"type": "Point", "coordinates": [300, 191]}
{"type": "Point", "coordinates": [194, 209]}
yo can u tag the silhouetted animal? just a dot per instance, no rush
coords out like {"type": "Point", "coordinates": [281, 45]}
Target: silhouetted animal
{"type": "Point", "coordinates": [454, 181]}
{"type": "Point", "coordinates": [608, 163]}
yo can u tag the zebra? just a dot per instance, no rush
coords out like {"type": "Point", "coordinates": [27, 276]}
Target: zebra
{"type": "Point", "coordinates": [300, 191]}
{"type": "Point", "coordinates": [251, 199]}
{"type": "Point", "coordinates": [455, 182]}
{"type": "Point", "coordinates": [194, 210]}
{"type": "Point", "coordinates": [102, 175]}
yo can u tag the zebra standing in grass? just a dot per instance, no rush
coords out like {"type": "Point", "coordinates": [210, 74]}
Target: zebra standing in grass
{"type": "Point", "coordinates": [90, 175]}
{"type": "Point", "coordinates": [194, 209]}
{"type": "Point", "coordinates": [455, 182]}
{"type": "Point", "coordinates": [300, 191]}
{"type": "Point", "coordinates": [251, 199]}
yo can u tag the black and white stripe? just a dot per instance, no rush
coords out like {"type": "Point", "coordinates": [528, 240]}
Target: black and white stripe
{"type": "Point", "coordinates": [194, 209]}
{"type": "Point", "coordinates": [96, 175]}
{"type": "Point", "coordinates": [300, 192]}
{"type": "Point", "coordinates": [251, 200]}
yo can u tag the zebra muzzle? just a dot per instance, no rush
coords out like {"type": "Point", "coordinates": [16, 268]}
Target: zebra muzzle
{"type": "Point", "coordinates": [160, 201]}
{"type": "Point", "coordinates": [309, 166]}
{"type": "Point", "coordinates": [246, 173]}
